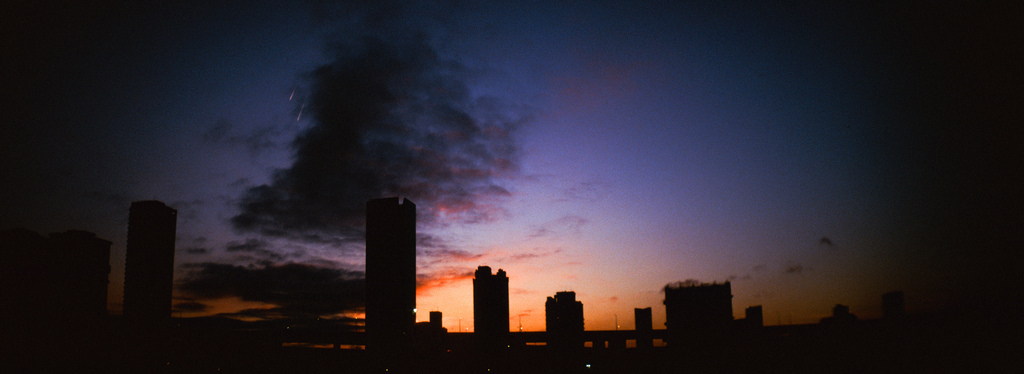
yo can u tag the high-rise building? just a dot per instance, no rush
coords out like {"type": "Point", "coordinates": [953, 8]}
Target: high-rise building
{"type": "Point", "coordinates": [57, 283]}
{"type": "Point", "coordinates": [697, 311]}
{"type": "Point", "coordinates": [564, 320]}
{"type": "Point", "coordinates": [490, 306]}
{"type": "Point", "coordinates": [644, 326]}
{"type": "Point", "coordinates": [390, 274]}
{"type": "Point", "coordinates": [149, 264]}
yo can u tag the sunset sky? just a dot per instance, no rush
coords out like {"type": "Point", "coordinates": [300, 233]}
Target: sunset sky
{"type": "Point", "coordinates": [809, 154]}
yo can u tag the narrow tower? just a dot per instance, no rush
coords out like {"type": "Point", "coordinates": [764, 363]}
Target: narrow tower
{"type": "Point", "coordinates": [390, 274]}
{"type": "Point", "coordinates": [149, 264]}
{"type": "Point", "coordinates": [490, 306]}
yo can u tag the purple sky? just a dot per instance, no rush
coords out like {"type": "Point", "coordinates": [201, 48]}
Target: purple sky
{"type": "Point", "coordinates": [811, 154]}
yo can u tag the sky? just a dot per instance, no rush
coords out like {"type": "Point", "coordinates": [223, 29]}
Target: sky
{"type": "Point", "coordinates": [810, 154]}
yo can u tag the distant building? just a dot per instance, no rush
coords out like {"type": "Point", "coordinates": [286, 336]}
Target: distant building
{"type": "Point", "coordinates": [564, 320]}
{"type": "Point", "coordinates": [841, 316]}
{"type": "Point", "coordinates": [644, 326]}
{"type": "Point", "coordinates": [149, 264]}
{"type": "Point", "coordinates": [56, 283]}
{"type": "Point", "coordinates": [754, 317]}
{"type": "Point", "coordinates": [430, 336]}
{"type": "Point", "coordinates": [697, 311]}
{"type": "Point", "coordinates": [435, 320]}
{"type": "Point", "coordinates": [490, 306]}
{"type": "Point", "coordinates": [390, 275]}
{"type": "Point", "coordinates": [893, 306]}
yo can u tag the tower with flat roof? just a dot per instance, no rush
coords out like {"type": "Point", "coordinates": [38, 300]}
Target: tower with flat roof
{"type": "Point", "coordinates": [149, 264]}
{"type": "Point", "coordinates": [564, 321]}
{"type": "Point", "coordinates": [390, 274]}
{"type": "Point", "coordinates": [697, 312]}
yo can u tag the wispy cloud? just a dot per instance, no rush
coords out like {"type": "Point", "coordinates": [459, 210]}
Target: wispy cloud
{"type": "Point", "coordinates": [446, 256]}
{"type": "Point", "coordinates": [197, 251]}
{"type": "Point", "coordinates": [583, 191]}
{"type": "Point", "coordinates": [533, 254]}
{"type": "Point", "coordinates": [441, 278]}
{"type": "Point", "coordinates": [255, 248]}
{"type": "Point", "coordinates": [794, 269]}
{"type": "Point", "coordinates": [569, 224]}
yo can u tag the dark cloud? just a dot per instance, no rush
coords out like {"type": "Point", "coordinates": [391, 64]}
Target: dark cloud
{"type": "Point", "coordinates": [191, 306]}
{"type": "Point", "coordinates": [430, 241]}
{"type": "Point", "coordinates": [825, 241]}
{"type": "Point", "coordinates": [197, 251]}
{"type": "Point", "coordinates": [250, 245]}
{"type": "Point", "coordinates": [298, 290]}
{"type": "Point", "coordinates": [760, 267]}
{"type": "Point", "coordinates": [257, 248]}
{"type": "Point", "coordinates": [389, 118]}
{"type": "Point", "coordinates": [794, 269]}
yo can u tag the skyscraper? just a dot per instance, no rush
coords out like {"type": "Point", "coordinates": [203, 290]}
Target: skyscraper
{"type": "Point", "coordinates": [149, 264]}
{"type": "Point", "coordinates": [696, 312]}
{"type": "Point", "coordinates": [490, 306]}
{"type": "Point", "coordinates": [57, 283]}
{"type": "Point", "coordinates": [390, 273]}
{"type": "Point", "coordinates": [644, 326]}
{"type": "Point", "coordinates": [564, 321]}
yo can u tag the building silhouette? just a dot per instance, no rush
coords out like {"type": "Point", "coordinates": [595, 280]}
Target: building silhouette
{"type": "Point", "coordinates": [893, 306]}
{"type": "Point", "coordinates": [149, 264]}
{"type": "Point", "coordinates": [644, 326]}
{"type": "Point", "coordinates": [390, 276]}
{"type": "Point", "coordinates": [56, 283]}
{"type": "Point", "coordinates": [754, 317]}
{"type": "Point", "coordinates": [697, 312]}
{"type": "Point", "coordinates": [564, 321]}
{"type": "Point", "coordinates": [490, 306]}
{"type": "Point", "coordinates": [841, 316]}
{"type": "Point", "coordinates": [435, 321]}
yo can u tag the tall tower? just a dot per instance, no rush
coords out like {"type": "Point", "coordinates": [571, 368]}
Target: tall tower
{"type": "Point", "coordinates": [564, 321]}
{"type": "Point", "coordinates": [644, 326]}
{"type": "Point", "coordinates": [490, 306]}
{"type": "Point", "coordinates": [390, 274]}
{"type": "Point", "coordinates": [697, 312]}
{"type": "Point", "coordinates": [149, 264]}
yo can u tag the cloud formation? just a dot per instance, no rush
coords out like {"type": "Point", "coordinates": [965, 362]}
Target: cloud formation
{"type": "Point", "coordinates": [568, 224]}
{"type": "Point", "coordinates": [389, 118]}
{"type": "Point", "coordinates": [298, 290]}
{"type": "Point", "coordinates": [794, 269]}
{"type": "Point", "coordinates": [441, 278]}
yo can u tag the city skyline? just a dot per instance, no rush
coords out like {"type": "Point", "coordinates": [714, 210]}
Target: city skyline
{"type": "Point", "coordinates": [809, 154]}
